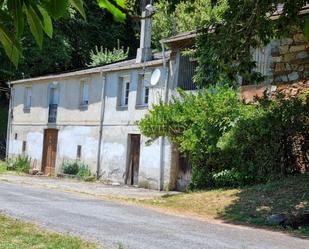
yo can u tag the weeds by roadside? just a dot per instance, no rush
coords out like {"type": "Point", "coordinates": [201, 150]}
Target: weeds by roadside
{"type": "Point", "coordinates": [3, 167]}
{"type": "Point", "coordinates": [18, 234]}
{"type": "Point", "coordinates": [77, 169]}
{"type": "Point", "coordinates": [248, 205]}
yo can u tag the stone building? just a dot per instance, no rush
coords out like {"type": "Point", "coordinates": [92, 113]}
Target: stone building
{"type": "Point", "coordinates": [90, 115]}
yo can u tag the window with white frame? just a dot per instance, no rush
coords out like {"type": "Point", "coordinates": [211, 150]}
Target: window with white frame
{"type": "Point", "coordinates": [84, 93]}
{"type": "Point", "coordinates": [28, 98]}
{"type": "Point", "coordinates": [54, 95]}
{"type": "Point", "coordinates": [124, 91]}
{"type": "Point", "coordinates": [143, 89]}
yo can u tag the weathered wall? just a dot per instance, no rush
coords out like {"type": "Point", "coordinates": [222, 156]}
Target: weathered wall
{"type": "Point", "coordinates": [80, 126]}
{"type": "Point", "coordinates": [69, 111]}
{"type": "Point", "coordinates": [119, 123]}
{"type": "Point", "coordinates": [34, 137]}
{"type": "Point", "coordinates": [69, 137]}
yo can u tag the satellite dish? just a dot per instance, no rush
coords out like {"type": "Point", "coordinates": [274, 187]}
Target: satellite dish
{"type": "Point", "coordinates": [155, 77]}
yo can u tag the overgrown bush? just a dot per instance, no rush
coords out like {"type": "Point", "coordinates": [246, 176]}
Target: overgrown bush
{"type": "Point", "coordinates": [273, 142]}
{"type": "Point", "coordinates": [3, 167]}
{"type": "Point", "coordinates": [70, 168]}
{"type": "Point", "coordinates": [83, 171]}
{"type": "Point", "coordinates": [76, 168]}
{"type": "Point", "coordinates": [231, 143]}
{"type": "Point", "coordinates": [21, 164]}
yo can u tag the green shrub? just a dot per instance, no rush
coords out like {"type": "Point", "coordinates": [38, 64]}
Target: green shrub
{"type": "Point", "coordinates": [230, 143]}
{"type": "Point", "coordinates": [273, 142]}
{"type": "Point", "coordinates": [230, 178]}
{"type": "Point", "coordinates": [83, 171]}
{"type": "Point", "coordinates": [3, 167]}
{"type": "Point", "coordinates": [22, 164]}
{"type": "Point", "coordinates": [70, 168]}
{"type": "Point", "coordinates": [77, 168]}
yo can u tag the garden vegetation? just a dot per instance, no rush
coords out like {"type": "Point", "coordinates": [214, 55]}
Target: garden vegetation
{"type": "Point", "coordinates": [230, 143]}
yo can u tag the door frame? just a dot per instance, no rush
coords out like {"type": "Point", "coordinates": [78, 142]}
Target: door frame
{"type": "Point", "coordinates": [129, 177]}
{"type": "Point", "coordinates": [44, 152]}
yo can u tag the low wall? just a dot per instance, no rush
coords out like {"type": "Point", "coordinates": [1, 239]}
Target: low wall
{"type": "Point", "coordinates": [250, 92]}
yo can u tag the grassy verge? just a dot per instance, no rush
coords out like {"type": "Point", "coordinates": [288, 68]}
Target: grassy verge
{"type": "Point", "coordinates": [2, 167]}
{"type": "Point", "coordinates": [250, 205]}
{"type": "Point", "coordinates": [16, 234]}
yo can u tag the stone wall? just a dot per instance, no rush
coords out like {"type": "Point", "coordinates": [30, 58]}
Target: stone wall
{"type": "Point", "coordinates": [285, 65]}
{"type": "Point", "coordinates": [290, 59]}
{"type": "Point", "coordinates": [250, 92]}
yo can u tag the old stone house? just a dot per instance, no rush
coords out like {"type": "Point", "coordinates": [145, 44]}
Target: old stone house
{"type": "Point", "coordinates": [90, 115]}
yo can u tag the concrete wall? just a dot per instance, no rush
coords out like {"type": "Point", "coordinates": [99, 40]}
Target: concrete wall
{"type": "Point", "coordinates": [69, 111]}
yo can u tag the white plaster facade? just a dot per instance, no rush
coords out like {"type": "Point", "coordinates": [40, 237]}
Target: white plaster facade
{"type": "Point", "coordinates": [82, 125]}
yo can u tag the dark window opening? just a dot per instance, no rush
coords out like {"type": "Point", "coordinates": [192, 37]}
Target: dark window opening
{"type": "Point", "coordinates": [187, 68]}
{"type": "Point", "coordinates": [79, 152]}
{"type": "Point", "coordinates": [16, 136]}
{"type": "Point", "coordinates": [127, 91]}
{"type": "Point", "coordinates": [24, 147]}
{"type": "Point", "coordinates": [146, 97]}
{"type": "Point", "coordinates": [52, 113]}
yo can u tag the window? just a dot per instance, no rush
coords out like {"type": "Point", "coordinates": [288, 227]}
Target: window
{"type": "Point", "coordinates": [187, 68]}
{"type": "Point", "coordinates": [124, 91]}
{"type": "Point", "coordinates": [79, 152]}
{"type": "Point", "coordinates": [54, 96]}
{"type": "Point", "coordinates": [53, 103]}
{"type": "Point", "coordinates": [143, 89]}
{"type": "Point", "coordinates": [15, 136]}
{"type": "Point", "coordinates": [28, 96]}
{"type": "Point", "coordinates": [24, 147]}
{"type": "Point", "coordinates": [84, 93]}
{"type": "Point", "coordinates": [146, 95]}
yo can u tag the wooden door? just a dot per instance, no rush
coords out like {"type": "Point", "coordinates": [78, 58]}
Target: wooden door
{"type": "Point", "coordinates": [134, 159]}
{"type": "Point", "coordinates": [49, 151]}
{"type": "Point", "coordinates": [184, 173]}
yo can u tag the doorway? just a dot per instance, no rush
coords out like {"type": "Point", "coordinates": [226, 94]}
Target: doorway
{"type": "Point", "coordinates": [49, 151]}
{"type": "Point", "coordinates": [184, 172]}
{"type": "Point", "coordinates": [134, 156]}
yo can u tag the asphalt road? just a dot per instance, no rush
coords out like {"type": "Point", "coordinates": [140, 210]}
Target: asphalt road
{"type": "Point", "coordinates": [135, 227]}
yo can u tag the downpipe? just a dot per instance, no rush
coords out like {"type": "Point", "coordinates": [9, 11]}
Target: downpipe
{"type": "Point", "coordinates": [162, 139]}
{"type": "Point", "coordinates": [103, 76]}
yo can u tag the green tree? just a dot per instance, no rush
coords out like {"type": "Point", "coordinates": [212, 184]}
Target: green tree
{"type": "Point", "coordinates": [182, 16]}
{"type": "Point", "coordinates": [72, 41]}
{"type": "Point", "coordinates": [99, 29]}
{"type": "Point", "coordinates": [40, 16]}
{"type": "Point", "coordinates": [230, 143]}
{"type": "Point", "coordinates": [104, 56]}
{"type": "Point", "coordinates": [223, 48]}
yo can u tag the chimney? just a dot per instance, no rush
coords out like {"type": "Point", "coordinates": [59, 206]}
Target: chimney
{"type": "Point", "coordinates": [144, 52]}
